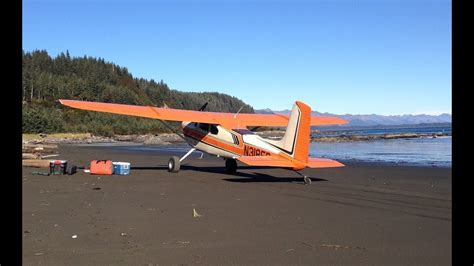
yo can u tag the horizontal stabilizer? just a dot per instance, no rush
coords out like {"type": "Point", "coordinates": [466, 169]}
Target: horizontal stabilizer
{"type": "Point", "coordinates": [323, 163]}
{"type": "Point", "coordinates": [282, 162]}
{"type": "Point", "coordinates": [265, 161]}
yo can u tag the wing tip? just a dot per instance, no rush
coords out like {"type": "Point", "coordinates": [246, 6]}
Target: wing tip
{"type": "Point", "coordinates": [65, 101]}
{"type": "Point", "coordinates": [343, 121]}
{"type": "Point", "coordinates": [70, 103]}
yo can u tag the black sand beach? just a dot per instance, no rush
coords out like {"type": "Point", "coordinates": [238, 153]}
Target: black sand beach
{"type": "Point", "coordinates": [362, 214]}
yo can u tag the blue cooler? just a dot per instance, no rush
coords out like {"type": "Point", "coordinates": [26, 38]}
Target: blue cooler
{"type": "Point", "coordinates": [121, 168]}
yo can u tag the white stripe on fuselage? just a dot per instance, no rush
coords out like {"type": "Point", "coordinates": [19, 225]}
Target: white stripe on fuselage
{"type": "Point", "coordinates": [259, 142]}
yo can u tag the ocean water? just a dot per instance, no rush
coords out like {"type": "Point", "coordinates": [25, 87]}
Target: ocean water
{"type": "Point", "coordinates": [417, 151]}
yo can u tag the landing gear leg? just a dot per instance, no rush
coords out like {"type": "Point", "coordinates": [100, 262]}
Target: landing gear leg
{"type": "Point", "coordinates": [231, 166]}
{"type": "Point", "coordinates": [175, 163]}
{"type": "Point", "coordinates": [306, 179]}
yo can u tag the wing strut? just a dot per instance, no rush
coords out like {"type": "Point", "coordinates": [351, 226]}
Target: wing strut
{"type": "Point", "coordinates": [167, 125]}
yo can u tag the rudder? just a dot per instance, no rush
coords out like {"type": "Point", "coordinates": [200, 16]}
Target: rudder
{"type": "Point", "coordinates": [295, 142]}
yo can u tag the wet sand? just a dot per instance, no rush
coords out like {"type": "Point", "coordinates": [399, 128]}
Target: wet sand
{"type": "Point", "coordinates": [362, 214]}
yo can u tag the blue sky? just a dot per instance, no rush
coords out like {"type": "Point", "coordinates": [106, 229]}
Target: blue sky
{"type": "Point", "coordinates": [359, 57]}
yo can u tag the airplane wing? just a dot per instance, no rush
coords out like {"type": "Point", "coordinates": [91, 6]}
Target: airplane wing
{"type": "Point", "coordinates": [228, 120]}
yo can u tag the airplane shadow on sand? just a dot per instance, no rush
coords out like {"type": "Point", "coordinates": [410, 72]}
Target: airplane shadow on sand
{"type": "Point", "coordinates": [238, 177]}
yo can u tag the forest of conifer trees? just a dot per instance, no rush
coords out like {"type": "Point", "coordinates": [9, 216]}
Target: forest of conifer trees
{"type": "Point", "coordinates": [46, 79]}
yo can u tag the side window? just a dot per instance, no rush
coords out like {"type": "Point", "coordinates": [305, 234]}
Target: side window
{"type": "Point", "coordinates": [204, 127]}
{"type": "Point", "coordinates": [236, 140]}
{"type": "Point", "coordinates": [214, 130]}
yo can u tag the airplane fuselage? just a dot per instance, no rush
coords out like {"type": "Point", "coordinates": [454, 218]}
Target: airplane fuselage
{"type": "Point", "coordinates": [228, 143]}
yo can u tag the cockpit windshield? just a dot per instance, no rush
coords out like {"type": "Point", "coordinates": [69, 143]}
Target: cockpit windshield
{"type": "Point", "coordinates": [209, 128]}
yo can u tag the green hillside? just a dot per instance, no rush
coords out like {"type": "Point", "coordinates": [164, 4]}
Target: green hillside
{"type": "Point", "coordinates": [46, 79]}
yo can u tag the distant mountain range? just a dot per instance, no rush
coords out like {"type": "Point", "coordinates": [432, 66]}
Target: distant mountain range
{"type": "Point", "coordinates": [376, 120]}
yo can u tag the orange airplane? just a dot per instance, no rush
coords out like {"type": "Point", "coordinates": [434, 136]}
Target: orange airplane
{"type": "Point", "coordinates": [226, 134]}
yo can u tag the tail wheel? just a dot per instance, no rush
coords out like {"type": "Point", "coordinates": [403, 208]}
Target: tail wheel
{"type": "Point", "coordinates": [231, 166]}
{"type": "Point", "coordinates": [307, 180]}
{"type": "Point", "coordinates": [173, 164]}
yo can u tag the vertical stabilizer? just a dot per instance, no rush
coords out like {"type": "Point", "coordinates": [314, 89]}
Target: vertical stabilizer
{"type": "Point", "coordinates": [295, 142]}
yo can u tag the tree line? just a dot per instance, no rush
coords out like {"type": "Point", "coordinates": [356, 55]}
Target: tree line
{"type": "Point", "coordinates": [46, 79]}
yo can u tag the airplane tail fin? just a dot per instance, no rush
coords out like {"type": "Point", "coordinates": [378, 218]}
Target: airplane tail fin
{"type": "Point", "coordinates": [295, 142]}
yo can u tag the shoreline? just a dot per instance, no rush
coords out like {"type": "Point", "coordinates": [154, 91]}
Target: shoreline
{"type": "Point", "coordinates": [171, 138]}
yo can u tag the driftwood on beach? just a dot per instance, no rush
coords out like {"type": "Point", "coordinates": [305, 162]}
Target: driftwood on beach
{"type": "Point", "coordinates": [30, 156]}
{"type": "Point", "coordinates": [36, 163]}
{"type": "Point", "coordinates": [38, 150]}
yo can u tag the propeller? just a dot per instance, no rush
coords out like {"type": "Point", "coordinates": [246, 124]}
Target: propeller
{"type": "Point", "coordinates": [203, 107]}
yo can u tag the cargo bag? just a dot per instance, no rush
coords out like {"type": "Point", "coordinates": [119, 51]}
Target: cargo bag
{"type": "Point", "coordinates": [101, 167]}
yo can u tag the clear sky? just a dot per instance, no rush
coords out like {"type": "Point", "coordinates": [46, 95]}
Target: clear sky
{"type": "Point", "coordinates": [360, 57]}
